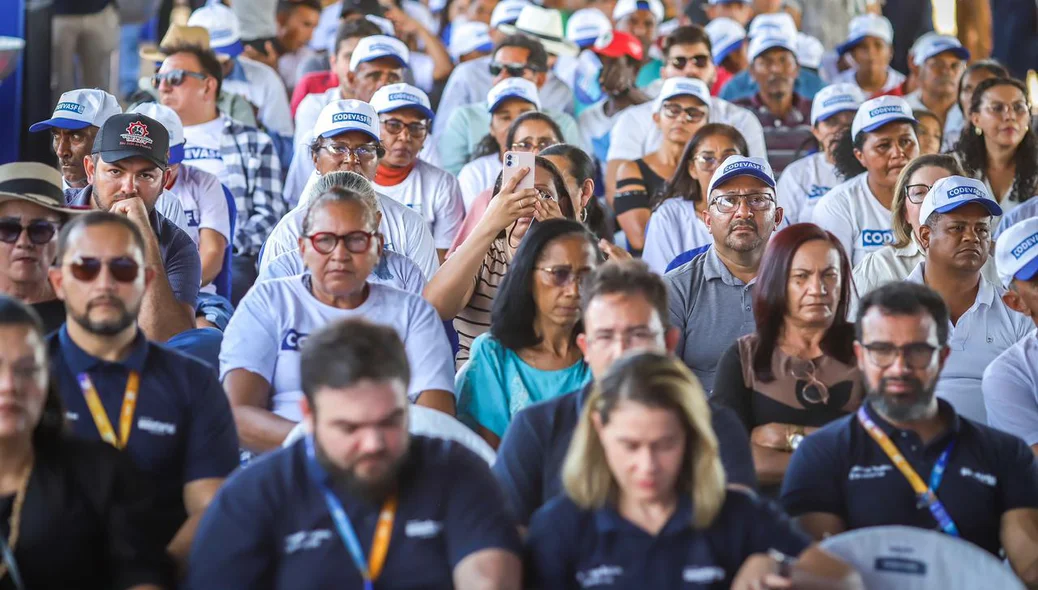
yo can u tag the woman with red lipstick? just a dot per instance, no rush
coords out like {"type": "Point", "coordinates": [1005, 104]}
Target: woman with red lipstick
{"type": "Point", "coordinates": [998, 145]}
{"type": "Point", "coordinates": [797, 372]}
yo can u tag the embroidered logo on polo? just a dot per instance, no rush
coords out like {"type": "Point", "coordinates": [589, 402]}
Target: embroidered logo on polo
{"type": "Point", "coordinates": [351, 117]}
{"type": "Point", "coordinates": [156, 427]}
{"type": "Point", "coordinates": [876, 237]}
{"type": "Point", "coordinates": [201, 153]}
{"type": "Point", "coordinates": [304, 540]}
{"type": "Point", "coordinates": [984, 478]}
{"type": "Point", "coordinates": [603, 575]}
{"type": "Point", "coordinates": [702, 575]}
{"type": "Point", "coordinates": [293, 340]}
{"type": "Point", "coordinates": [1023, 247]}
{"type": "Point", "coordinates": [887, 110]}
{"type": "Point", "coordinates": [74, 107]}
{"type": "Point", "coordinates": [137, 135]}
{"type": "Point", "coordinates": [423, 529]}
{"type": "Point", "coordinates": [868, 472]}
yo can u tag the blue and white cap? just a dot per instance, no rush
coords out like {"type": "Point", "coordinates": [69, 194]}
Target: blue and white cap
{"type": "Point", "coordinates": [377, 47]}
{"type": "Point", "coordinates": [736, 166]}
{"type": "Point", "coordinates": [763, 43]}
{"type": "Point", "coordinates": [585, 26]}
{"type": "Point", "coordinates": [513, 88]}
{"type": "Point", "coordinates": [171, 121]}
{"type": "Point", "coordinates": [506, 12]}
{"type": "Point", "coordinates": [223, 26]}
{"type": "Point", "coordinates": [937, 44]}
{"type": "Point", "coordinates": [809, 51]}
{"type": "Point", "coordinates": [835, 98]}
{"type": "Point", "coordinates": [1016, 252]}
{"type": "Point", "coordinates": [866, 25]}
{"type": "Point", "coordinates": [673, 87]}
{"type": "Point", "coordinates": [952, 192]}
{"type": "Point", "coordinates": [726, 35]}
{"type": "Point", "coordinates": [78, 109]}
{"type": "Point", "coordinates": [467, 37]}
{"type": "Point", "coordinates": [341, 116]}
{"type": "Point", "coordinates": [775, 24]}
{"type": "Point", "coordinates": [394, 97]}
{"type": "Point", "coordinates": [730, 1]}
{"type": "Point", "coordinates": [625, 8]}
{"type": "Point", "coordinates": [875, 113]}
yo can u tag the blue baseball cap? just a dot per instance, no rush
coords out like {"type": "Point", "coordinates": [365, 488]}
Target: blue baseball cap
{"type": "Point", "coordinates": [952, 192]}
{"type": "Point", "coordinates": [79, 109]}
{"type": "Point", "coordinates": [1016, 252]}
{"type": "Point", "coordinates": [736, 166]}
{"type": "Point", "coordinates": [875, 113]}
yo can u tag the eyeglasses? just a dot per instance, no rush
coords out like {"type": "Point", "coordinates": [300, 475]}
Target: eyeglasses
{"type": "Point", "coordinates": [396, 127]}
{"type": "Point", "coordinates": [363, 153]}
{"type": "Point", "coordinates": [175, 77]}
{"type": "Point", "coordinates": [814, 392]}
{"type": "Point", "coordinates": [530, 144]}
{"type": "Point", "coordinates": [711, 162]}
{"type": "Point", "coordinates": [564, 276]}
{"type": "Point", "coordinates": [40, 231]}
{"type": "Point", "coordinates": [700, 61]}
{"type": "Point", "coordinates": [917, 355]}
{"type": "Point", "coordinates": [356, 242]}
{"type": "Point", "coordinates": [917, 192]}
{"type": "Point", "coordinates": [999, 109]}
{"type": "Point", "coordinates": [123, 268]}
{"type": "Point", "coordinates": [515, 70]}
{"type": "Point", "coordinates": [632, 337]}
{"type": "Point", "coordinates": [692, 114]}
{"type": "Point", "coordinates": [756, 202]}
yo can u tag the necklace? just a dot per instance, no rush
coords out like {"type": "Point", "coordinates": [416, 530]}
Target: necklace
{"type": "Point", "coordinates": [16, 515]}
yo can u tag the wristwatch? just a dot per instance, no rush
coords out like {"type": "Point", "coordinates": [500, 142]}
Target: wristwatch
{"type": "Point", "coordinates": [794, 438]}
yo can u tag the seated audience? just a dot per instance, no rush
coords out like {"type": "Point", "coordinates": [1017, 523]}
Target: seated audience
{"type": "Point", "coordinates": [77, 118]}
{"type": "Point", "coordinates": [346, 39]}
{"type": "Point", "coordinates": [296, 21]}
{"type": "Point", "coordinates": [644, 489]}
{"type": "Point", "coordinates": [864, 470]}
{"type": "Point", "coordinates": [728, 38]}
{"type": "Point", "coordinates": [579, 174]}
{"type": "Point", "coordinates": [940, 60]}
{"type": "Point", "coordinates": [975, 73]}
{"type": "Point", "coordinates": [928, 132]}
{"type": "Point", "coordinates": [796, 372]}
{"type": "Point", "coordinates": [640, 19]}
{"type": "Point", "coordinates": [870, 45]}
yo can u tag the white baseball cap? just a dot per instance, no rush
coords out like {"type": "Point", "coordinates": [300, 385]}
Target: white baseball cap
{"type": "Point", "coordinates": [1016, 252]}
{"type": "Point", "coordinates": [809, 51]}
{"type": "Point", "coordinates": [223, 26]}
{"type": "Point", "coordinates": [729, 2]}
{"type": "Point", "coordinates": [952, 192]}
{"type": "Point", "coordinates": [401, 96]}
{"type": "Point", "coordinates": [377, 47]}
{"type": "Point", "coordinates": [625, 8]}
{"type": "Point", "coordinates": [775, 24]}
{"type": "Point", "coordinates": [171, 121]}
{"type": "Point", "coordinates": [78, 109]}
{"type": "Point", "coordinates": [506, 12]}
{"type": "Point", "coordinates": [735, 166]}
{"type": "Point", "coordinates": [867, 25]}
{"type": "Point", "coordinates": [875, 113]}
{"type": "Point", "coordinates": [467, 37]}
{"type": "Point", "coordinates": [682, 87]}
{"type": "Point", "coordinates": [513, 88]}
{"type": "Point", "coordinates": [726, 35]}
{"type": "Point", "coordinates": [585, 26]}
{"type": "Point", "coordinates": [937, 44]}
{"type": "Point", "coordinates": [762, 43]}
{"type": "Point", "coordinates": [835, 98]}
{"type": "Point", "coordinates": [340, 116]}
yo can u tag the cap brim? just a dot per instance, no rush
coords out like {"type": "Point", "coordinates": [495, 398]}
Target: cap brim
{"type": "Point", "coordinates": [391, 56]}
{"type": "Point", "coordinates": [5, 196]}
{"type": "Point", "coordinates": [176, 154]}
{"type": "Point", "coordinates": [830, 114]}
{"type": "Point", "coordinates": [501, 99]}
{"type": "Point", "coordinates": [991, 206]}
{"type": "Point", "coordinates": [758, 174]}
{"type": "Point", "coordinates": [233, 50]}
{"type": "Point", "coordinates": [771, 46]}
{"type": "Point", "coordinates": [959, 52]}
{"type": "Point", "coordinates": [429, 114]}
{"type": "Point", "coordinates": [878, 124]}
{"type": "Point", "coordinates": [720, 56]}
{"type": "Point", "coordinates": [346, 129]}
{"type": "Point", "coordinates": [114, 156]}
{"type": "Point", "coordinates": [1028, 271]}
{"type": "Point", "coordinates": [59, 123]}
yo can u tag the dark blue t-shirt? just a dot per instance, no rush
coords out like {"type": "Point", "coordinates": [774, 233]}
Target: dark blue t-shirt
{"type": "Point", "coordinates": [182, 429]}
{"type": "Point", "coordinates": [269, 527]}
{"type": "Point", "coordinates": [529, 460]}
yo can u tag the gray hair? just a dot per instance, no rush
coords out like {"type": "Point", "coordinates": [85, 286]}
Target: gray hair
{"type": "Point", "coordinates": [341, 187]}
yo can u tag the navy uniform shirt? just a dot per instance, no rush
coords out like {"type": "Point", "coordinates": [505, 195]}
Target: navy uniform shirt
{"type": "Point", "coordinates": [569, 547]}
{"type": "Point", "coordinates": [182, 429]}
{"type": "Point", "coordinates": [529, 460]}
{"type": "Point", "coordinates": [269, 526]}
{"type": "Point", "coordinates": [841, 470]}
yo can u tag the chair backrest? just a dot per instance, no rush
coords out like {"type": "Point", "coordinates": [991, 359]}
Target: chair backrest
{"type": "Point", "coordinates": [908, 558]}
{"type": "Point", "coordinates": [224, 280]}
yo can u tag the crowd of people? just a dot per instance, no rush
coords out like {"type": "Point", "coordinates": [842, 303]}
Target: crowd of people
{"type": "Point", "coordinates": [287, 313]}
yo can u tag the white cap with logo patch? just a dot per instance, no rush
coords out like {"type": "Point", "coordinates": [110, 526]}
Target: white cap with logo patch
{"type": "Point", "coordinates": [341, 116]}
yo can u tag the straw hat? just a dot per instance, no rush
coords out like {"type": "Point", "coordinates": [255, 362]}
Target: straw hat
{"type": "Point", "coordinates": [36, 183]}
{"type": "Point", "coordinates": [179, 35]}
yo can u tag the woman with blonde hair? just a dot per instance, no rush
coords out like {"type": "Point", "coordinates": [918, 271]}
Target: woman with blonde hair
{"type": "Point", "coordinates": [644, 464]}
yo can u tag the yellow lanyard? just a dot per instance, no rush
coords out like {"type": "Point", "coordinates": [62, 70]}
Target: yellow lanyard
{"type": "Point", "coordinates": [97, 409]}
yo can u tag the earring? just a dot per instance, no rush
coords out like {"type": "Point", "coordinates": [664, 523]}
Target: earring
{"type": "Point", "coordinates": [583, 215]}
{"type": "Point", "coordinates": [978, 131]}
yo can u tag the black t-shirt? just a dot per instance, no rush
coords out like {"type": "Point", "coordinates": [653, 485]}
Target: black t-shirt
{"type": "Point", "coordinates": [52, 313]}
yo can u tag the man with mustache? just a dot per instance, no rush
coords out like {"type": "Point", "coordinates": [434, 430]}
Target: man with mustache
{"type": "Point", "coordinates": [710, 297]}
{"type": "Point", "coordinates": [856, 472]}
{"type": "Point", "coordinates": [941, 61]}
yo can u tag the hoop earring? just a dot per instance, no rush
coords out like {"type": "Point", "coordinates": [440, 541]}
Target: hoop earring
{"type": "Point", "coordinates": [583, 215]}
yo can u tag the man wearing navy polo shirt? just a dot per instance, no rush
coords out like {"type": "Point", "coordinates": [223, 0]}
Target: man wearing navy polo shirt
{"type": "Point", "coordinates": [907, 458]}
{"type": "Point", "coordinates": [624, 308]}
{"type": "Point", "coordinates": [358, 499]}
{"type": "Point", "coordinates": [165, 409]}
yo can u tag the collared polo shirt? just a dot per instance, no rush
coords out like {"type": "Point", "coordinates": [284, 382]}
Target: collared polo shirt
{"type": "Point", "coordinates": [711, 308]}
{"type": "Point", "coordinates": [569, 547]}
{"type": "Point", "coordinates": [840, 470]}
{"type": "Point", "coordinates": [529, 460]}
{"type": "Point", "coordinates": [1011, 390]}
{"type": "Point", "coordinates": [182, 429]}
{"type": "Point", "coordinates": [985, 331]}
{"type": "Point", "coordinates": [269, 526]}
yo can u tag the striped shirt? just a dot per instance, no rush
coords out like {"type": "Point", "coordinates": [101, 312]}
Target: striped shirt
{"type": "Point", "coordinates": [475, 318]}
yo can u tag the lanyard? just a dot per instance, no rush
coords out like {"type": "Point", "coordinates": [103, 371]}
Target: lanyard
{"type": "Point", "coordinates": [926, 494]}
{"type": "Point", "coordinates": [371, 568]}
{"type": "Point", "coordinates": [97, 410]}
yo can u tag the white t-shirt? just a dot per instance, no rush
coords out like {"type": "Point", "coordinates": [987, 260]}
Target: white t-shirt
{"type": "Point", "coordinates": [1011, 390]}
{"type": "Point", "coordinates": [405, 232]}
{"type": "Point", "coordinates": [597, 129]}
{"type": "Point", "coordinates": [477, 176]}
{"type": "Point", "coordinates": [674, 229]}
{"type": "Point", "coordinates": [168, 205]}
{"type": "Point", "coordinates": [306, 115]}
{"type": "Point", "coordinates": [275, 317]}
{"type": "Point", "coordinates": [202, 147]}
{"type": "Point", "coordinates": [203, 201]}
{"type": "Point", "coordinates": [851, 212]}
{"type": "Point", "coordinates": [394, 270]}
{"type": "Point", "coordinates": [435, 194]}
{"type": "Point", "coordinates": [894, 79]}
{"type": "Point", "coordinates": [802, 184]}
{"type": "Point", "coordinates": [263, 87]}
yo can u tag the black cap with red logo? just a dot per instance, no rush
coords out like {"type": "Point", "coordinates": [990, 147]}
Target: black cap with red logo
{"type": "Point", "coordinates": [132, 135]}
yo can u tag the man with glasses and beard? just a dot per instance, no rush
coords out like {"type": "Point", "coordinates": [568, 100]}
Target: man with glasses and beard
{"type": "Point", "coordinates": [165, 409]}
{"type": "Point", "coordinates": [303, 517]}
{"type": "Point", "coordinates": [907, 457]}
{"type": "Point", "coordinates": [710, 297]}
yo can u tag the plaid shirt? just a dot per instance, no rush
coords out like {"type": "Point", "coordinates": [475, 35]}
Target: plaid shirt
{"type": "Point", "coordinates": [255, 183]}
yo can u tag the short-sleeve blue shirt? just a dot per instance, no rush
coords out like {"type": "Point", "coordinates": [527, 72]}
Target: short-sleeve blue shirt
{"type": "Point", "coordinates": [183, 429]}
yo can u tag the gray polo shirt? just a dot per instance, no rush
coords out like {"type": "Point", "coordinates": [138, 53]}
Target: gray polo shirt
{"type": "Point", "coordinates": [711, 308]}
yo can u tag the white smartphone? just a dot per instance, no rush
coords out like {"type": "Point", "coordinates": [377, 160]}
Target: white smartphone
{"type": "Point", "coordinates": [514, 161]}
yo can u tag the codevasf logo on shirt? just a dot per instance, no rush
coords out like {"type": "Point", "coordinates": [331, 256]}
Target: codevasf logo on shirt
{"type": "Point", "coordinates": [293, 340]}
{"type": "Point", "coordinates": [876, 237]}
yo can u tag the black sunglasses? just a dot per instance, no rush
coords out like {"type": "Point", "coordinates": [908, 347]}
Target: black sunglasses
{"type": "Point", "coordinates": [515, 70]}
{"type": "Point", "coordinates": [40, 231]}
{"type": "Point", "coordinates": [701, 61]}
{"type": "Point", "coordinates": [123, 269]}
{"type": "Point", "coordinates": [175, 77]}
